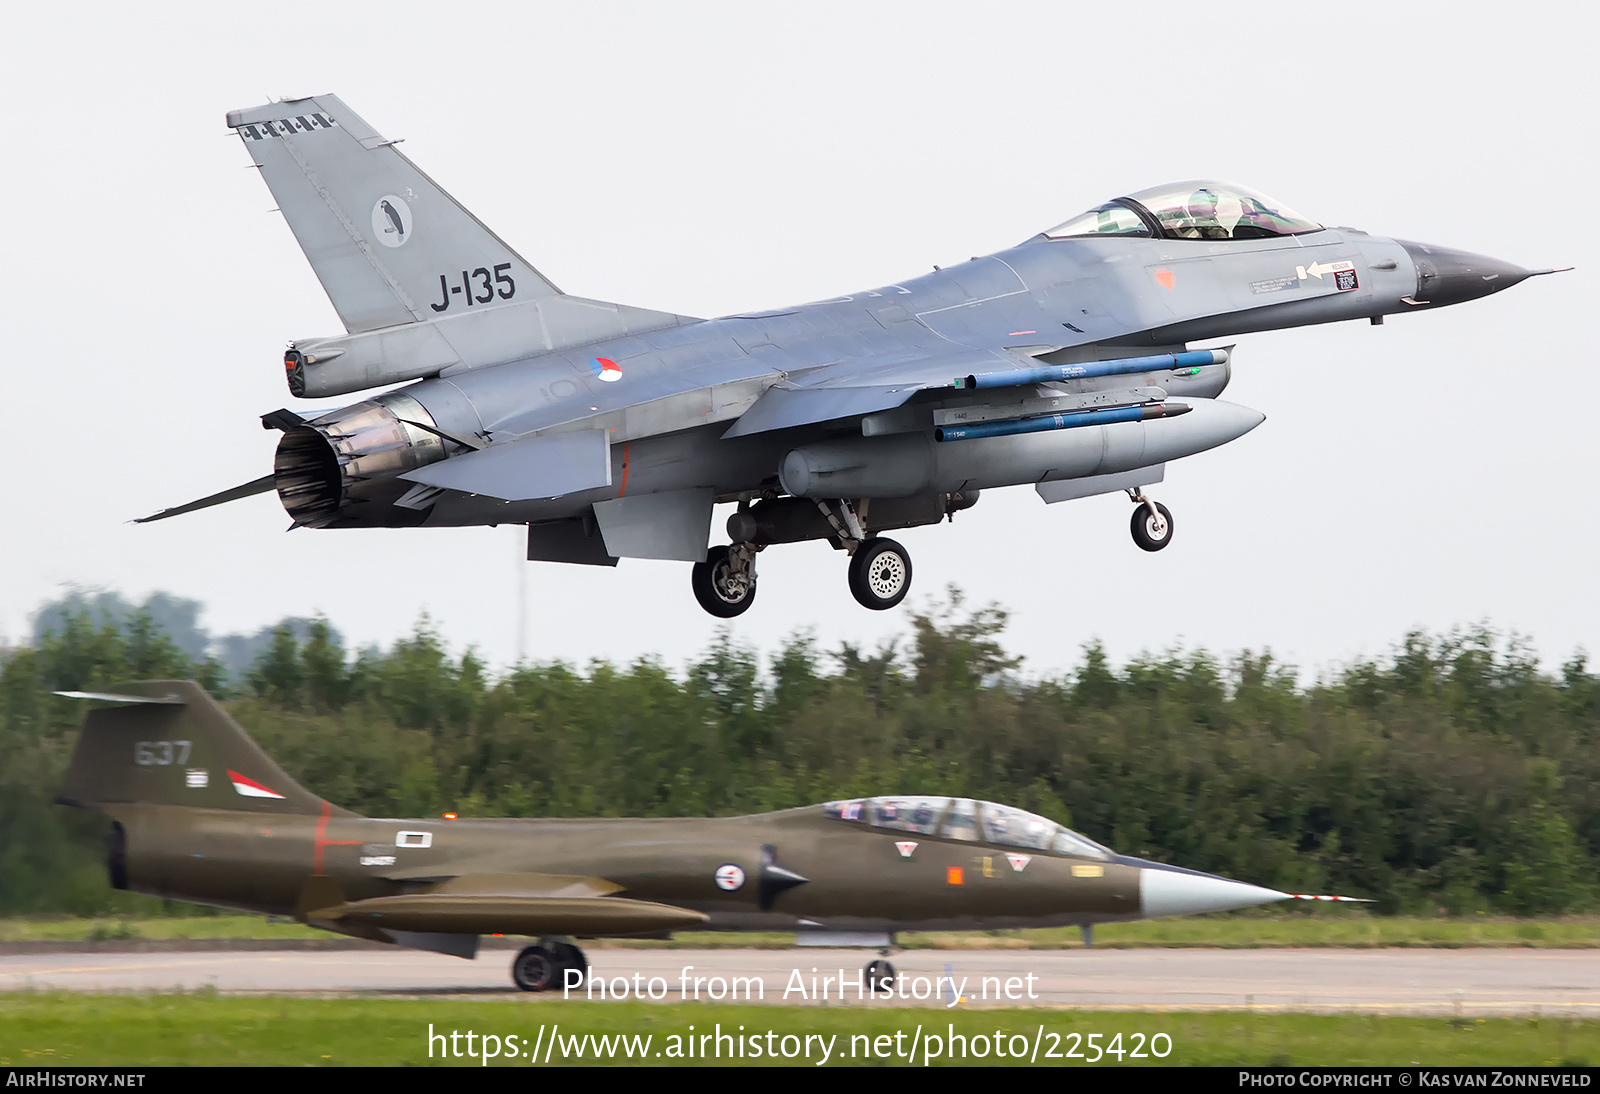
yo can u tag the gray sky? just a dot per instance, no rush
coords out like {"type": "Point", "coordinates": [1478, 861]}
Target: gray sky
{"type": "Point", "coordinates": [715, 158]}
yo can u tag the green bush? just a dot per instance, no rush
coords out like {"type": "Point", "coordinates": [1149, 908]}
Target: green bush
{"type": "Point", "coordinates": [1450, 776]}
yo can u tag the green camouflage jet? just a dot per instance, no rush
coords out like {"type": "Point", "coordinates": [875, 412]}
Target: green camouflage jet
{"type": "Point", "coordinates": [200, 813]}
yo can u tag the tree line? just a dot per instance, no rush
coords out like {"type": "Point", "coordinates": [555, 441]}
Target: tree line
{"type": "Point", "coordinates": [1449, 775]}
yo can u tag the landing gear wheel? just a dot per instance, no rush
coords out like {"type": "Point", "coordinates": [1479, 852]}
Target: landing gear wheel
{"type": "Point", "coordinates": [536, 969]}
{"type": "Point", "coordinates": [880, 574]}
{"type": "Point", "coordinates": [1152, 531]}
{"type": "Point", "coordinates": [571, 957]}
{"type": "Point", "coordinates": [721, 590]}
{"type": "Point", "coordinates": [880, 975]}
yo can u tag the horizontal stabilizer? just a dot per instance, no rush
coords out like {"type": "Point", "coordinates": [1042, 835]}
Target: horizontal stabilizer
{"type": "Point", "coordinates": [249, 489]}
{"type": "Point", "coordinates": [545, 466]}
{"type": "Point", "coordinates": [112, 697]}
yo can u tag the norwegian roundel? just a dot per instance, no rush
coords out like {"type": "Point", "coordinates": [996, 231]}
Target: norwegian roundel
{"type": "Point", "coordinates": [729, 877]}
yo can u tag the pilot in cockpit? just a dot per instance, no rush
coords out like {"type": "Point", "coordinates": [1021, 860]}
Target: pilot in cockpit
{"type": "Point", "coordinates": [1206, 215]}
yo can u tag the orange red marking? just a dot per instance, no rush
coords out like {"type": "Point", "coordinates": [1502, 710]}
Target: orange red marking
{"type": "Point", "coordinates": [322, 841]}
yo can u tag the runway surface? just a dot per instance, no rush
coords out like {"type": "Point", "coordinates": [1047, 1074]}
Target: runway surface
{"type": "Point", "coordinates": [1467, 982]}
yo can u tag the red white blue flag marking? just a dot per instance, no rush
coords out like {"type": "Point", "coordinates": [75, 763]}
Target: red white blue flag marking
{"type": "Point", "coordinates": [249, 788]}
{"type": "Point", "coordinates": [607, 369]}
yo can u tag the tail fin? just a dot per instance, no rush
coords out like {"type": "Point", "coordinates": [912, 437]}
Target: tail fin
{"type": "Point", "coordinates": [388, 245]}
{"type": "Point", "coordinates": [169, 743]}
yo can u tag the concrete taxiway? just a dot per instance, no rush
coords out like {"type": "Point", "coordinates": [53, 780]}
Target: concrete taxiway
{"type": "Point", "coordinates": [1399, 981]}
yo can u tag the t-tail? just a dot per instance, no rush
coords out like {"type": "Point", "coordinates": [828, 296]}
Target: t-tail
{"type": "Point", "coordinates": [198, 812]}
{"type": "Point", "coordinates": [168, 743]}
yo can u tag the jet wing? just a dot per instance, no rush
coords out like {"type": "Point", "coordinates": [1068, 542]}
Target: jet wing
{"type": "Point", "coordinates": [530, 904]}
{"type": "Point", "coordinates": [865, 386]}
{"type": "Point", "coordinates": [429, 913]}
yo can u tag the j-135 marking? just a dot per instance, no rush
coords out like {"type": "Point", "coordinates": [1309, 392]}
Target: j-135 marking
{"type": "Point", "coordinates": [611, 431]}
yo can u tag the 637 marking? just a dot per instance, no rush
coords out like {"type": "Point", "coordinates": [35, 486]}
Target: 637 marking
{"type": "Point", "coordinates": [161, 752]}
{"type": "Point", "coordinates": [478, 286]}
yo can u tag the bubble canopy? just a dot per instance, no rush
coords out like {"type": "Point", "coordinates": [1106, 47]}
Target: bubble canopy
{"type": "Point", "coordinates": [1197, 209]}
{"type": "Point", "coordinates": [968, 820]}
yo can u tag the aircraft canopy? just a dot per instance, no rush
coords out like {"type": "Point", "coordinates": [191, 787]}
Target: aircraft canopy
{"type": "Point", "coordinates": [967, 819]}
{"type": "Point", "coordinates": [1197, 209]}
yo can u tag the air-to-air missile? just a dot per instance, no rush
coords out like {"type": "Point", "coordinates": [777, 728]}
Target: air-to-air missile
{"type": "Point", "coordinates": [612, 431]}
{"type": "Point", "coordinates": [200, 813]}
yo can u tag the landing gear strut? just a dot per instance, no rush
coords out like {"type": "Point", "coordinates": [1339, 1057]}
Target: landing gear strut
{"type": "Point", "coordinates": [543, 966]}
{"type": "Point", "coordinates": [1151, 524]}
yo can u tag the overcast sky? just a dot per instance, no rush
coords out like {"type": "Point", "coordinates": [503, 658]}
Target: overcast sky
{"type": "Point", "coordinates": [708, 159]}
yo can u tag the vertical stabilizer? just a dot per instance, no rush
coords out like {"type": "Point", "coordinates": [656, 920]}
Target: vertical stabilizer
{"type": "Point", "coordinates": [166, 742]}
{"type": "Point", "coordinates": [389, 246]}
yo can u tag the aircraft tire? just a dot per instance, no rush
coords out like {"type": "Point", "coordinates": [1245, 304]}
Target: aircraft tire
{"type": "Point", "coordinates": [536, 969]}
{"type": "Point", "coordinates": [880, 974]}
{"type": "Point", "coordinates": [880, 574]}
{"type": "Point", "coordinates": [1151, 533]}
{"type": "Point", "coordinates": [708, 580]}
{"type": "Point", "coordinates": [571, 957]}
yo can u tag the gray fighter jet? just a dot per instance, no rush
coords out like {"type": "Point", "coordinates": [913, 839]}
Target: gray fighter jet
{"type": "Point", "coordinates": [612, 431]}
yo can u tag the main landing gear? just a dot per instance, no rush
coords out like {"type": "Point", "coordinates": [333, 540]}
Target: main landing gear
{"type": "Point", "coordinates": [725, 583]}
{"type": "Point", "coordinates": [879, 571]}
{"type": "Point", "coordinates": [543, 966]}
{"type": "Point", "coordinates": [880, 976]}
{"type": "Point", "coordinates": [1151, 524]}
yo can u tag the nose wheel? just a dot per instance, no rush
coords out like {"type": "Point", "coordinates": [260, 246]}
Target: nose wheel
{"type": "Point", "coordinates": [543, 967]}
{"type": "Point", "coordinates": [725, 583]}
{"type": "Point", "coordinates": [1151, 524]}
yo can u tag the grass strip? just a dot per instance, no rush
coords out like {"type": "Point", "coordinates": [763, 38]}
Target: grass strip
{"type": "Point", "coordinates": [203, 1028]}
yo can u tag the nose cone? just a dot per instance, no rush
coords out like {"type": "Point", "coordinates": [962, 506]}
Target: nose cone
{"type": "Point", "coordinates": [1449, 277]}
{"type": "Point", "coordinates": [1173, 892]}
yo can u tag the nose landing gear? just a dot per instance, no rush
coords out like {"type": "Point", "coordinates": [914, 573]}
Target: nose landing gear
{"type": "Point", "coordinates": [1151, 524]}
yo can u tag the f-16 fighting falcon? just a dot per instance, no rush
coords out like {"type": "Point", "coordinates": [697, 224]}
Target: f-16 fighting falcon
{"type": "Point", "coordinates": [611, 431]}
{"type": "Point", "coordinates": [199, 813]}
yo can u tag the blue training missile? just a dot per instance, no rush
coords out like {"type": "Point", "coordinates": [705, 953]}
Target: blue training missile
{"type": "Point", "coordinates": [1048, 422]}
{"type": "Point", "coordinates": [1045, 374]}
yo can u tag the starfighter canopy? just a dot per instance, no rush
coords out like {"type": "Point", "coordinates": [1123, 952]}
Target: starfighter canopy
{"type": "Point", "coordinates": [966, 819]}
{"type": "Point", "coordinates": [1197, 209]}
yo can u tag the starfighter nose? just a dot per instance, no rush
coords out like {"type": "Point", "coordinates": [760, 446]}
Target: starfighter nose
{"type": "Point", "coordinates": [1450, 277]}
{"type": "Point", "coordinates": [1185, 892]}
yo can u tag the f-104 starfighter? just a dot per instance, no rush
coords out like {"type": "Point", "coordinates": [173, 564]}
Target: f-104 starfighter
{"type": "Point", "coordinates": [612, 431]}
{"type": "Point", "coordinates": [200, 813]}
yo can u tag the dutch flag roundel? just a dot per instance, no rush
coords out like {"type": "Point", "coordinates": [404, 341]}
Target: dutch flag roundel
{"type": "Point", "coordinates": [249, 788]}
{"type": "Point", "coordinates": [607, 369]}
